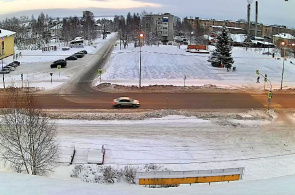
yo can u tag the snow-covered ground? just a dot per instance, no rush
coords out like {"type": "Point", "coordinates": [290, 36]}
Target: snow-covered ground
{"type": "Point", "coordinates": [169, 65]}
{"type": "Point", "coordinates": [261, 142]}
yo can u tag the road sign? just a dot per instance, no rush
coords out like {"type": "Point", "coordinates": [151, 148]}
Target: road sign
{"type": "Point", "coordinates": [99, 71]}
{"type": "Point", "coordinates": [51, 74]}
{"type": "Point", "coordinates": [58, 67]}
{"type": "Point", "coordinates": [269, 95]}
{"type": "Point", "coordinates": [257, 72]}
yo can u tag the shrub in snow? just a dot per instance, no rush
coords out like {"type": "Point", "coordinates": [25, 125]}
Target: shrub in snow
{"type": "Point", "coordinates": [129, 174]}
{"type": "Point", "coordinates": [111, 175]}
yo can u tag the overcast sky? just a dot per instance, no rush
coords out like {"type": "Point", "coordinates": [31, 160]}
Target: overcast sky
{"type": "Point", "coordinates": [270, 11]}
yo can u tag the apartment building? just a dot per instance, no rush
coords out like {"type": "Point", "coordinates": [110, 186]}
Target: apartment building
{"type": "Point", "coordinates": [159, 26]}
{"type": "Point", "coordinates": [238, 27]}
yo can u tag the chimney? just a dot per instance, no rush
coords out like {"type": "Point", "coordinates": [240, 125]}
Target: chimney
{"type": "Point", "coordinates": [256, 19]}
{"type": "Point", "coordinates": [248, 19]}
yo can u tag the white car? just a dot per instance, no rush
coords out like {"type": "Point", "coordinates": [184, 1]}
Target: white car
{"type": "Point", "coordinates": [125, 102]}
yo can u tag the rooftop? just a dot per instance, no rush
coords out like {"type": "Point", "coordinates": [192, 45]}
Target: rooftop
{"type": "Point", "coordinates": [6, 33]}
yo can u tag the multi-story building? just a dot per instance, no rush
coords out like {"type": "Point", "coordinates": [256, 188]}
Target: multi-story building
{"type": "Point", "coordinates": [238, 27]}
{"type": "Point", "coordinates": [159, 26]}
{"type": "Point", "coordinates": [6, 43]}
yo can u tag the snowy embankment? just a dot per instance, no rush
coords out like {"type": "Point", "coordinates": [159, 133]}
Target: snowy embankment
{"type": "Point", "coordinates": [168, 65]}
{"type": "Point", "coordinates": [254, 140]}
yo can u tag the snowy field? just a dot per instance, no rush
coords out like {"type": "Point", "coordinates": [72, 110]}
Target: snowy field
{"type": "Point", "coordinates": [261, 142]}
{"type": "Point", "coordinates": [169, 65]}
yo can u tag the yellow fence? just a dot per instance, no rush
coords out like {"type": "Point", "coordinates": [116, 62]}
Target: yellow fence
{"type": "Point", "coordinates": [188, 177]}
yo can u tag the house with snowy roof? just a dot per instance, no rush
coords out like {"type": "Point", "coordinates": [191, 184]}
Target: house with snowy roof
{"type": "Point", "coordinates": [283, 37]}
{"type": "Point", "coordinates": [6, 43]}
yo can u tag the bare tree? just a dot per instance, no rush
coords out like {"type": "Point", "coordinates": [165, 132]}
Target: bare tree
{"type": "Point", "coordinates": [27, 138]}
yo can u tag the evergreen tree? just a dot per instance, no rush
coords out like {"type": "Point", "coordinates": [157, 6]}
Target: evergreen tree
{"type": "Point", "coordinates": [222, 53]}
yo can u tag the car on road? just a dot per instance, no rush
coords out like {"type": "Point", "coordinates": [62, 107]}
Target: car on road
{"type": "Point", "coordinates": [71, 58]}
{"type": "Point", "coordinates": [63, 63]}
{"type": "Point", "coordinates": [125, 102]}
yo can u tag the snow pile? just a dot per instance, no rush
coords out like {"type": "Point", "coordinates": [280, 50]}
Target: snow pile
{"type": "Point", "coordinates": [160, 114]}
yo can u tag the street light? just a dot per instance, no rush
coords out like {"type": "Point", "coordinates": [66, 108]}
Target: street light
{"type": "Point", "coordinates": [141, 36]}
{"type": "Point", "coordinates": [192, 33]}
{"type": "Point", "coordinates": [283, 44]}
{"type": "Point", "coordinates": [293, 46]}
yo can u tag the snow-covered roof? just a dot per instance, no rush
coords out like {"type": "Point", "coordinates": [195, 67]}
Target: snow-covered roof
{"type": "Point", "coordinates": [6, 33]}
{"type": "Point", "coordinates": [239, 38]}
{"type": "Point", "coordinates": [261, 42]}
{"type": "Point", "coordinates": [227, 27]}
{"type": "Point", "coordinates": [284, 36]}
{"type": "Point", "coordinates": [58, 26]}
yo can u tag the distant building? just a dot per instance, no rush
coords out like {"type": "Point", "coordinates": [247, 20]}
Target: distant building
{"type": "Point", "coordinates": [159, 26]}
{"type": "Point", "coordinates": [283, 37]}
{"type": "Point", "coordinates": [6, 43]}
{"type": "Point", "coordinates": [238, 27]}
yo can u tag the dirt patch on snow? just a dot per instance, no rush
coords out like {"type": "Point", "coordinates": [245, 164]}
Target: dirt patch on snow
{"type": "Point", "coordinates": [146, 114]}
{"type": "Point", "coordinates": [111, 88]}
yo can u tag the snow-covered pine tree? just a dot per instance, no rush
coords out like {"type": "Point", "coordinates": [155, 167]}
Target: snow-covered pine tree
{"type": "Point", "coordinates": [222, 53]}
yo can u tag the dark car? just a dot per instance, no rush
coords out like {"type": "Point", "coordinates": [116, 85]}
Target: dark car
{"type": "Point", "coordinates": [14, 64]}
{"type": "Point", "coordinates": [125, 102]}
{"type": "Point", "coordinates": [5, 71]}
{"type": "Point", "coordinates": [63, 63]}
{"type": "Point", "coordinates": [71, 58]}
{"type": "Point", "coordinates": [83, 51]}
{"type": "Point", "coordinates": [79, 55]}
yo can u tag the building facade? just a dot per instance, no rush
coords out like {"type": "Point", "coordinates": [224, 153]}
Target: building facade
{"type": "Point", "coordinates": [6, 43]}
{"type": "Point", "coordinates": [160, 27]}
{"type": "Point", "coordinates": [238, 27]}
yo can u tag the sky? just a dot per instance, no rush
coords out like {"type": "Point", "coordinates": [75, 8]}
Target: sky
{"type": "Point", "coordinates": [270, 11]}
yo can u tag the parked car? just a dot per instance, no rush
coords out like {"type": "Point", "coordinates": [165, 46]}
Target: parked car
{"type": "Point", "coordinates": [79, 55]}
{"type": "Point", "coordinates": [83, 51]}
{"type": "Point", "coordinates": [65, 48]}
{"type": "Point", "coordinates": [125, 102]}
{"type": "Point", "coordinates": [14, 64]}
{"type": "Point", "coordinates": [63, 63]}
{"type": "Point", "coordinates": [10, 67]}
{"type": "Point", "coordinates": [5, 71]}
{"type": "Point", "coordinates": [71, 58]}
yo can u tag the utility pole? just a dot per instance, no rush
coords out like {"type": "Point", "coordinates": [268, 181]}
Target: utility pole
{"type": "Point", "coordinates": [141, 36]}
{"type": "Point", "coordinates": [283, 70]}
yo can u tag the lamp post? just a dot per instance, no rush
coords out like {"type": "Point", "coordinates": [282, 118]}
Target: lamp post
{"type": "Point", "coordinates": [293, 46]}
{"type": "Point", "coordinates": [192, 33]}
{"type": "Point", "coordinates": [141, 36]}
{"type": "Point", "coordinates": [283, 44]}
